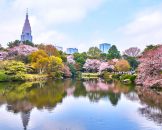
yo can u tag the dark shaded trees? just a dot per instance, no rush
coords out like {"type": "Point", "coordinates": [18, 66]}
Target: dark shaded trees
{"type": "Point", "coordinates": [113, 53]}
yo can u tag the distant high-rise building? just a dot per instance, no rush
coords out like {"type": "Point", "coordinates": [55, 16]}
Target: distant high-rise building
{"type": "Point", "coordinates": [104, 47]}
{"type": "Point", "coordinates": [26, 32]}
{"type": "Point", "coordinates": [71, 50]}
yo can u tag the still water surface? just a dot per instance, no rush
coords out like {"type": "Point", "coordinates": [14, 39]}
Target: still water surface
{"type": "Point", "coordinates": [76, 105]}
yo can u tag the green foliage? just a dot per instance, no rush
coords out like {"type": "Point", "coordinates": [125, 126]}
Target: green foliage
{"type": "Point", "coordinates": [45, 64]}
{"type": "Point", "coordinates": [17, 43]}
{"type": "Point", "coordinates": [72, 70]}
{"type": "Point", "coordinates": [103, 56]}
{"type": "Point", "coordinates": [90, 75]}
{"type": "Point", "coordinates": [150, 47]}
{"type": "Point", "coordinates": [18, 77]}
{"type": "Point", "coordinates": [39, 61]}
{"type": "Point", "coordinates": [127, 76]}
{"type": "Point", "coordinates": [94, 53]}
{"type": "Point", "coordinates": [37, 55]}
{"type": "Point", "coordinates": [116, 76]}
{"type": "Point", "coordinates": [132, 61]}
{"type": "Point", "coordinates": [22, 58]}
{"type": "Point", "coordinates": [107, 76]}
{"type": "Point", "coordinates": [113, 53]}
{"type": "Point", "coordinates": [80, 58]}
{"type": "Point", "coordinates": [28, 43]}
{"type": "Point", "coordinates": [3, 76]}
{"type": "Point", "coordinates": [13, 43]}
{"type": "Point", "coordinates": [54, 66]}
{"type": "Point", "coordinates": [14, 67]}
{"type": "Point", "coordinates": [1, 48]}
{"type": "Point", "coordinates": [63, 56]}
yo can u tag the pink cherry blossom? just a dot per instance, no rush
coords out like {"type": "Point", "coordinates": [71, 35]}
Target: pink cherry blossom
{"type": "Point", "coordinates": [149, 70]}
{"type": "Point", "coordinates": [3, 55]}
{"type": "Point", "coordinates": [70, 59]}
{"type": "Point", "coordinates": [92, 65]}
{"type": "Point", "coordinates": [22, 50]}
{"type": "Point", "coordinates": [104, 66]}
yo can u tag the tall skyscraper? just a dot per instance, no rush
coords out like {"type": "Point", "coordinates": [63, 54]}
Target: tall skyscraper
{"type": "Point", "coordinates": [26, 32]}
{"type": "Point", "coordinates": [104, 47]}
{"type": "Point", "coordinates": [71, 50]}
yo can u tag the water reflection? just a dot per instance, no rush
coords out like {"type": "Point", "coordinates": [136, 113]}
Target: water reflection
{"type": "Point", "coordinates": [24, 97]}
{"type": "Point", "coordinates": [152, 101]}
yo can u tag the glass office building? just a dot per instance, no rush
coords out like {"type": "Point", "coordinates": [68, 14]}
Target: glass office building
{"type": "Point", "coordinates": [104, 47]}
{"type": "Point", "coordinates": [71, 50]}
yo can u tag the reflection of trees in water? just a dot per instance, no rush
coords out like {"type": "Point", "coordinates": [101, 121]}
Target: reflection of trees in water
{"type": "Point", "coordinates": [152, 101]}
{"type": "Point", "coordinates": [151, 113]}
{"type": "Point", "coordinates": [23, 97]}
{"type": "Point", "coordinates": [28, 95]}
{"type": "Point", "coordinates": [133, 96]}
{"type": "Point", "coordinates": [47, 95]}
{"type": "Point", "coordinates": [96, 90]}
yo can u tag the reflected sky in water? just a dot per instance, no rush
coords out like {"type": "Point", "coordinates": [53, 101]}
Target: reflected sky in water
{"type": "Point", "coordinates": [76, 105]}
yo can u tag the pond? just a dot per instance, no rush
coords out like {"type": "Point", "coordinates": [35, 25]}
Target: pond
{"type": "Point", "coordinates": [77, 105]}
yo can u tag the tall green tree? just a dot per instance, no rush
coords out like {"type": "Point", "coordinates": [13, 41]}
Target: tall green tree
{"type": "Point", "coordinates": [80, 58]}
{"type": "Point", "coordinates": [132, 61]}
{"type": "Point", "coordinates": [103, 56]}
{"type": "Point", "coordinates": [94, 53]}
{"type": "Point", "coordinates": [28, 43]}
{"type": "Point", "coordinates": [113, 53]}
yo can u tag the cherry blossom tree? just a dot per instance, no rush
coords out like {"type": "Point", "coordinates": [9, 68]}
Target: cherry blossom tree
{"type": "Point", "coordinates": [92, 65]}
{"type": "Point", "coordinates": [132, 52]}
{"type": "Point", "coordinates": [70, 59]}
{"type": "Point", "coordinates": [3, 55]}
{"type": "Point", "coordinates": [149, 70]}
{"type": "Point", "coordinates": [66, 71]}
{"type": "Point", "coordinates": [22, 50]}
{"type": "Point", "coordinates": [105, 66]}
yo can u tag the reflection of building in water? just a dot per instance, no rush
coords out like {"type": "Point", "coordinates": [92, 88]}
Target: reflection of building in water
{"type": "Point", "coordinates": [23, 107]}
{"type": "Point", "coordinates": [25, 117]}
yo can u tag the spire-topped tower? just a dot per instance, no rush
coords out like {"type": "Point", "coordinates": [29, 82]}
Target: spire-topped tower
{"type": "Point", "coordinates": [26, 32]}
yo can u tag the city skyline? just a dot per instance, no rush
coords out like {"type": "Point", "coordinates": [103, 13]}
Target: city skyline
{"type": "Point", "coordinates": [84, 24]}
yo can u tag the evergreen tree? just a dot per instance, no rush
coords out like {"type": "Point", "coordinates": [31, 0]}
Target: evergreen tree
{"type": "Point", "coordinates": [113, 53]}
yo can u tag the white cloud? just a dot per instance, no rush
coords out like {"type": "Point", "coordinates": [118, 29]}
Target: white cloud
{"type": "Point", "coordinates": [145, 29]}
{"type": "Point", "coordinates": [45, 15]}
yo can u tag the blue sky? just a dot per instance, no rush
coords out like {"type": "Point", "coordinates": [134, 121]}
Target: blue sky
{"type": "Point", "coordinates": [84, 23]}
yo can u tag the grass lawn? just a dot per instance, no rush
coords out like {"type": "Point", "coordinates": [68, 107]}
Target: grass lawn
{"type": "Point", "coordinates": [90, 75]}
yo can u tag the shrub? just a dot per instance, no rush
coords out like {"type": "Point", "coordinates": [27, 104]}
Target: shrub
{"type": "Point", "coordinates": [3, 76]}
{"type": "Point", "coordinates": [122, 65]}
{"type": "Point", "coordinates": [107, 76]}
{"type": "Point", "coordinates": [14, 67]}
{"type": "Point", "coordinates": [116, 76]}
{"type": "Point", "coordinates": [128, 77]}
